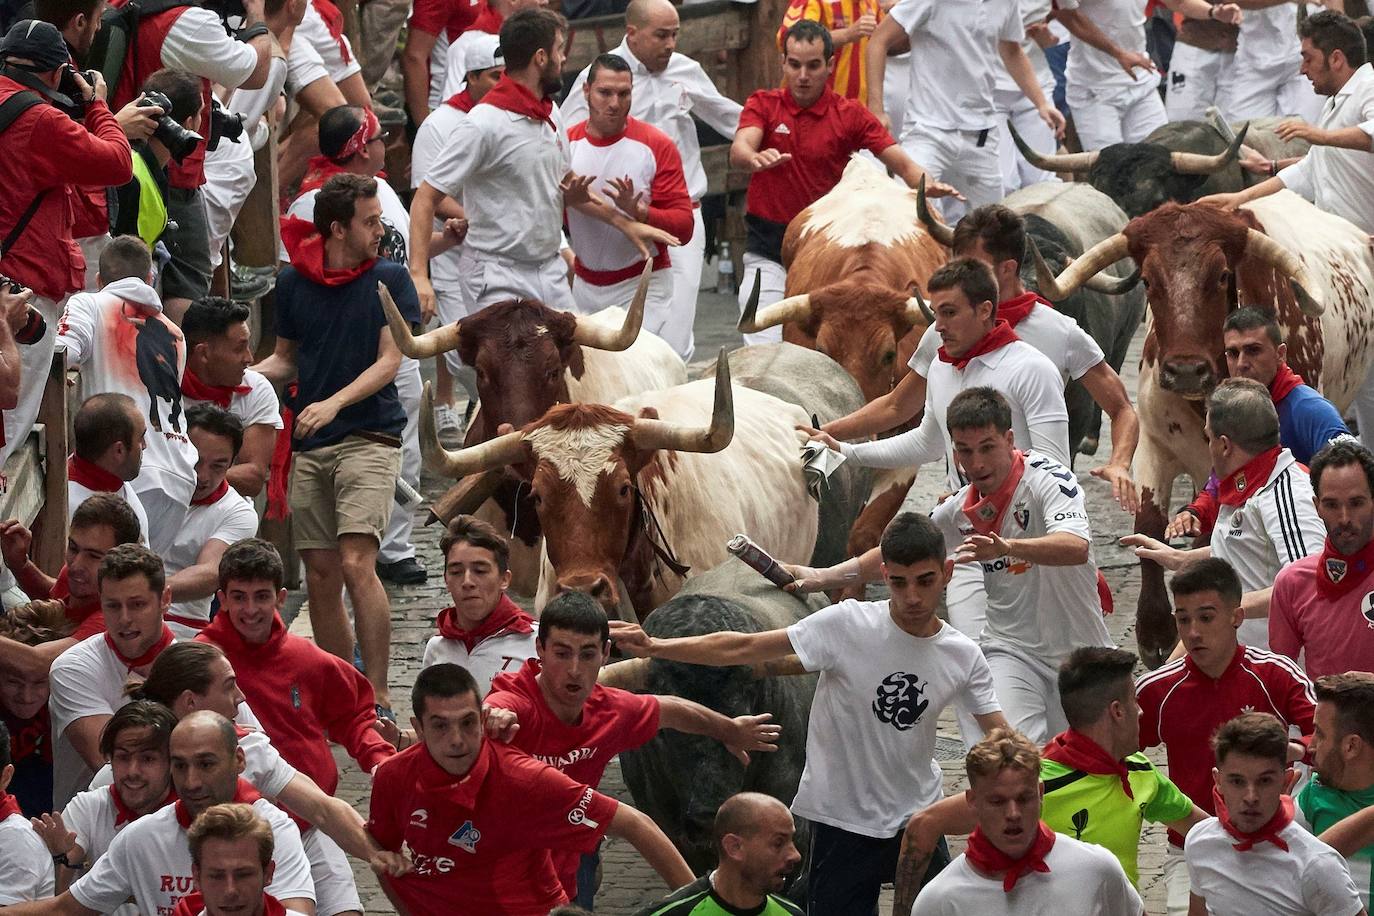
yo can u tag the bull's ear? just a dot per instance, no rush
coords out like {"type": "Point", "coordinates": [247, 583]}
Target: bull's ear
{"type": "Point", "coordinates": [564, 327]}
{"type": "Point", "coordinates": [648, 413]}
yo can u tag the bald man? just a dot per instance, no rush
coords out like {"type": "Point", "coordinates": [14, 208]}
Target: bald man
{"type": "Point", "coordinates": [754, 843]}
{"type": "Point", "coordinates": [669, 90]}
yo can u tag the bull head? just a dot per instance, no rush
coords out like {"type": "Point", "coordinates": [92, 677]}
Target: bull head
{"type": "Point", "coordinates": [1183, 163]}
{"type": "Point", "coordinates": [797, 309]}
{"type": "Point", "coordinates": [449, 337]}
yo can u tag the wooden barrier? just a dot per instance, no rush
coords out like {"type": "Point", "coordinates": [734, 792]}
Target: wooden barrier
{"type": "Point", "coordinates": [35, 492]}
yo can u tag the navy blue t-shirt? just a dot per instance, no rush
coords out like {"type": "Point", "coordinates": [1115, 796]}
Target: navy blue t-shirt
{"type": "Point", "coordinates": [1307, 421]}
{"type": "Point", "coordinates": [335, 329]}
{"type": "Point", "coordinates": [31, 753]}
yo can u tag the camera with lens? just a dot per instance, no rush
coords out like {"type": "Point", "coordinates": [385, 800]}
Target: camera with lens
{"type": "Point", "coordinates": [13, 287]}
{"type": "Point", "coordinates": [68, 86]}
{"type": "Point", "coordinates": [179, 141]}
{"type": "Point", "coordinates": [224, 125]}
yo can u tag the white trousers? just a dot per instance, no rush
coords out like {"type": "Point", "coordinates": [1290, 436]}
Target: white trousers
{"type": "Point", "coordinates": [591, 298]}
{"type": "Point", "coordinates": [486, 279]}
{"type": "Point", "coordinates": [680, 318]}
{"type": "Point", "coordinates": [966, 603]}
{"type": "Point", "coordinates": [1018, 173]}
{"type": "Point", "coordinates": [1198, 79]}
{"type": "Point", "coordinates": [34, 362]}
{"type": "Point", "coordinates": [1028, 691]}
{"type": "Point", "coordinates": [772, 283]}
{"type": "Point", "coordinates": [896, 89]}
{"type": "Point", "coordinates": [1176, 883]}
{"type": "Point", "coordinates": [1117, 115]}
{"type": "Point", "coordinates": [335, 890]}
{"type": "Point", "coordinates": [229, 178]}
{"type": "Point", "coordinates": [450, 306]}
{"type": "Point", "coordinates": [396, 540]}
{"type": "Point", "coordinates": [1257, 93]}
{"type": "Point", "coordinates": [955, 157]}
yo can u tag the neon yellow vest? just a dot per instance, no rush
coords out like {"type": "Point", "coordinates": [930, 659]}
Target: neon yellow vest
{"type": "Point", "coordinates": [152, 210]}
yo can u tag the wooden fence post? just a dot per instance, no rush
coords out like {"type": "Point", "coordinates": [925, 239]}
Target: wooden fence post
{"type": "Point", "coordinates": [49, 527]}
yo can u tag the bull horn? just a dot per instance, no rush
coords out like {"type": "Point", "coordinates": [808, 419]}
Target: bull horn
{"type": "Point", "coordinates": [599, 337]}
{"type": "Point", "coordinates": [916, 306]}
{"type": "Point", "coordinates": [793, 308]}
{"type": "Point", "coordinates": [1104, 254]}
{"type": "Point", "coordinates": [440, 340]}
{"type": "Point", "coordinates": [631, 674]}
{"type": "Point", "coordinates": [1258, 245]}
{"type": "Point", "coordinates": [493, 453]}
{"type": "Point", "coordinates": [938, 230]}
{"type": "Point", "coordinates": [1113, 286]}
{"type": "Point", "coordinates": [661, 434]}
{"type": "Point", "coordinates": [1199, 164]}
{"type": "Point", "coordinates": [1056, 162]}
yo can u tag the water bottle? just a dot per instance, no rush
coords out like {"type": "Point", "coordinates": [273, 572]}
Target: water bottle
{"type": "Point", "coordinates": [725, 271]}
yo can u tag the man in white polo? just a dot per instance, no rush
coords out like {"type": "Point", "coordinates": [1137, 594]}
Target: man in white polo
{"type": "Point", "coordinates": [671, 92]}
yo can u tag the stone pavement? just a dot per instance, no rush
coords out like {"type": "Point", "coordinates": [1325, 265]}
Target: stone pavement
{"type": "Point", "coordinates": [627, 883]}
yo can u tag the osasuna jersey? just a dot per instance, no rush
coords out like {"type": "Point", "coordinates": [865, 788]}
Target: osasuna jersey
{"type": "Point", "coordinates": [1319, 807]}
{"type": "Point", "coordinates": [1276, 526]}
{"type": "Point", "coordinates": [1045, 611]}
{"type": "Point", "coordinates": [25, 864]}
{"type": "Point", "coordinates": [1083, 878]}
{"type": "Point", "coordinates": [1308, 878]}
{"type": "Point", "coordinates": [150, 861]}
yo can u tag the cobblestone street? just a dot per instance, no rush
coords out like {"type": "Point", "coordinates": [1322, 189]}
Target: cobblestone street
{"type": "Point", "coordinates": [627, 883]}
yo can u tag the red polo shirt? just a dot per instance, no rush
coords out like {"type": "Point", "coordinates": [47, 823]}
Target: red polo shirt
{"type": "Point", "coordinates": [483, 840]}
{"type": "Point", "coordinates": [820, 138]}
{"type": "Point", "coordinates": [445, 17]}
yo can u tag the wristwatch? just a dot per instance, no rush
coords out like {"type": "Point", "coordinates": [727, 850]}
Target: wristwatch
{"type": "Point", "coordinates": [253, 30]}
{"type": "Point", "coordinates": [61, 859]}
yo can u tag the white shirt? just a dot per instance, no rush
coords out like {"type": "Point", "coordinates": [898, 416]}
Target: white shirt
{"type": "Point", "coordinates": [197, 42]}
{"type": "Point", "coordinates": [870, 744]}
{"type": "Point", "coordinates": [1310, 879]}
{"type": "Point", "coordinates": [1275, 526]}
{"type": "Point", "coordinates": [150, 860]}
{"type": "Point", "coordinates": [1340, 181]}
{"type": "Point", "coordinates": [1032, 12]}
{"type": "Point", "coordinates": [1025, 377]}
{"type": "Point", "coordinates": [332, 51]}
{"type": "Point", "coordinates": [1088, 875]}
{"type": "Point", "coordinates": [506, 169]}
{"type": "Point", "coordinates": [955, 61]}
{"type": "Point", "coordinates": [78, 493]}
{"type": "Point", "coordinates": [228, 520]}
{"type": "Point", "coordinates": [86, 680]}
{"type": "Point", "coordinates": [488, 658]}
{"type": "Point", "coordinates": [395, 221]}
{"type": "Point", "coordinates": [1059, 337]}
{"type": "Point", "coordinates": [1045, 612]}
{"type": "Point", "coordinates": [25, 864]}
{"type": "Point", "coordinates": [1268, 40]}
{"type": "Point", "coordinates": [91, 816]}
{"type": "Point", "coordinates": [258, 405]}
{"type": "Point", "coordinates": [303, 67]}
{"type": "Point", "coordinates": [1123, 21]}
{"type": "Point", "coordinates": [435, 133]}
{"type": "Point", "coordinates": [669, 100]}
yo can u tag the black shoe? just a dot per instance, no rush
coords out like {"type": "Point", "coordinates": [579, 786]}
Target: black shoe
{"type": "Point", "coordinates": [403, 572]}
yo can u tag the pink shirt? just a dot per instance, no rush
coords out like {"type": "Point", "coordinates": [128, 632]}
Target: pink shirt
{"type": "Point", "coordinates": [1337, 635]}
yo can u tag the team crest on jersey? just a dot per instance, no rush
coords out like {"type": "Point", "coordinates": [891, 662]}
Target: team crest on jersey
{"type": "Point", "coordinates": [1335, 569]}
{"type": "Point", "coordinates": [987, 512]}
{"type": "Point", "coordinates": [466, 837]}
{"type": "Point", "coordinates": [1367, 609]}
{"type": "Point", "coordinates": [782, 129]}
{"type": "Point", "coordinates": [1236, 521]}
{"type": "Point", "coordinates": [419, 818]}
{"type": "Point", "coordinates": [1240, 481]}
{"type": "Point", "coordinates": [1022, 516]}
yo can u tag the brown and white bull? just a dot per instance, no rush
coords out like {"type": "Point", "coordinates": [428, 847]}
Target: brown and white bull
{"type": "Point", "coordinates": [1314, 271]}
{"type": "Point", "coordinates": [628, 495]}
{"type": "Point", "coordinates": [529, 357]}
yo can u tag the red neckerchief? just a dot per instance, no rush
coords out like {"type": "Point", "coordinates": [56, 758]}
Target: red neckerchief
{"type": "Point", "coordinates": [505, 617]}
{"type": "Point", "coordinates": [334, 23]}
{"type": "Point", "coordinates": [1269, 833]}
{"type": "Point", "coordinates": [62, 591]}
{"type": "Point", "coordinates": [463, 101]}
{"type": "Point", "coordinates": [214, 497]}
{"type": "Point", "coordinates": [509, 95]}
{"type": "Point", "coordinates": [1079, 752]}
{"type": "Point", "coordinates": [196, 390]}
{"type": "Point", "coordinates": [9, 805]}
{"type": "Point", "coordinates": [147, 657]}
{"type": "Point", "coordinates": [1000, 335]}
{"type": "Point", "coordinates": [244, 794]}
{"type": "Point", "coordinates": [1338, 574]}
{"type": "Point", "coordinates": [92, 476]}
{"type": "Point", "coordinates": [1016, 309]}
{"type": "Point", "coordinates": [986, 512]}
{"type": "Point", "coordinates": [193, 904]}
{"type": "Point", "coordinates": [1249, 480]}
{"type": "Point", "coordinates": [319, 170]}
{"type": "Point", "coordinates": [990, 860]}
{"type": "Point", "coordinates": [222, 633]}
{"type": "Point", "coordinates": [126, 815]}
{"type": "Point", "coordinates": [1285, 380]}
{"type": "Point", "coordinates": [305, 246]}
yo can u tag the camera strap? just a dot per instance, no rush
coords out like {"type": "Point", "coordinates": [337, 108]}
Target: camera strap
{"type": "Point", "coordinates": [10, 110]}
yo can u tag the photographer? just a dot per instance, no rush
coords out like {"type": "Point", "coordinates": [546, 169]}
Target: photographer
{"type": "Point", "coordinates": [140, 206]}
{"type": "Point", "coordinates": [194, 39]}
{"type": "Point", "coordinates": [49, 147]}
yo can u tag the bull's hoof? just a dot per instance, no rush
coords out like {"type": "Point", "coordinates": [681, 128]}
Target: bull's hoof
{"type": "Point", "coordinates": [1153, 656]}
{"type": "Point", "coordinates": [1089, 445]}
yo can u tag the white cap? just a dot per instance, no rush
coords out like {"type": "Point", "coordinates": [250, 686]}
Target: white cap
{"type": "Point", "coordinates": [481, 51]}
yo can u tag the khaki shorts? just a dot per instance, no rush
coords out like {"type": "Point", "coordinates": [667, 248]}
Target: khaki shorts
{"type": "Point", "coordinates": [345, 488]}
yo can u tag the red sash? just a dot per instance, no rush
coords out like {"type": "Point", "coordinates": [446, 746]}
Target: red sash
{"type": "Point", "coordinates": [990, 860]}
{"type": "Point", "coordinates": [196, 390]}
{"type": "Point", "coordinates": [1075, 750]}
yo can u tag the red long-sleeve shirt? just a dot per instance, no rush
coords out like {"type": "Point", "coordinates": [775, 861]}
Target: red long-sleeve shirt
{"type": "Point", "coordinates": [304, 697]}
{"type": "Point", "coordinates": [47, 151]}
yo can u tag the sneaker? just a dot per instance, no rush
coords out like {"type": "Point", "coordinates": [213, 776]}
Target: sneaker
{"type": "Point", "coordinates": [247, 284]}
{"type": "Point", "coordinates": [450, 426]}
{"type": "Point", "coordinates": [403, 572]}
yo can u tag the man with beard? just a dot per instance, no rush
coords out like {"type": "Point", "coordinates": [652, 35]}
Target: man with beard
{"type": "Point", "coordinates": [754, 836]}
{"type": "Point", "coordinates": [508, 164]}
{"type": "Point", "coordinates": [1323, 605]}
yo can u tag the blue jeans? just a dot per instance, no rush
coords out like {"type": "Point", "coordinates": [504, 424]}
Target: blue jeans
{"type": "Point", "coordinates": [848, 870]}
{"type": "Point", "coordinates": [586, 878]}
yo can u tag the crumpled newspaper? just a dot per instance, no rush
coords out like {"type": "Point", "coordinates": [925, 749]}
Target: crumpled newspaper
{"type": "Point", "coordinates": [818, 463]}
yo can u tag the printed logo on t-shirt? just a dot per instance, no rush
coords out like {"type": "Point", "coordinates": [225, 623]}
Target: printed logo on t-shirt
{"type": "Point", "coordinates": [419, 818]}
{"type": "Point", "coordinates": [782, 129]}
{"type": "Point", "coordinates": [1022, 516]}
{"type": "Point", "coordinates": [392, 247]}
{"type": "Point", "coordinates": [1367, 609]}
{"type": "Point", "coordinates": [578, 816]}
{"type": "Point", "coordinates": [466, 837]}
{"type": "Point", "coordinates": [1236, 521]}
{"type": "Point", "coordinates": [1335, 570]}
{"type": "Point", "coordinates": [563, 761]}
{"type": "Point", "coordinates": [901, 700]}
